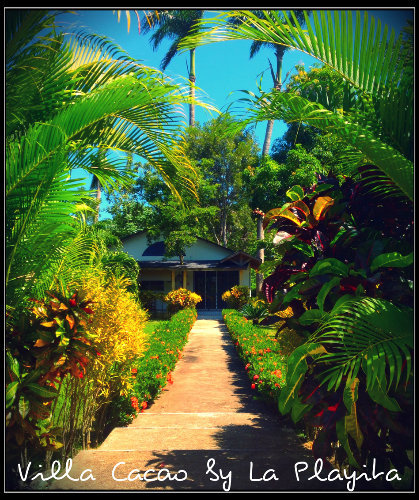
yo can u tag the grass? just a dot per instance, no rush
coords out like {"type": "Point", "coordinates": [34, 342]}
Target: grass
{"type": "Point", "coordinates": [152, 325]}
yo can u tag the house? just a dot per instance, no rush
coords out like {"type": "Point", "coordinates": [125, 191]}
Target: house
{"type": "Point", "coordinates": [208, 269]}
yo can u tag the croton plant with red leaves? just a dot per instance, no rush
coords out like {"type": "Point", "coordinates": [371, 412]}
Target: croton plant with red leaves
{"type": "Point", "coordinates": [49, 342]}
{"type": "Point", "coordinates": [346, 270]}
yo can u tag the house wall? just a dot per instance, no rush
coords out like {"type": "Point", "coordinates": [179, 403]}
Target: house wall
{"type": "Point", "coordinates": [200, 250]}
{"type": "Point", "coordinates": [135, 247]}
{"type": "Point", "coordinates": [245, 277]}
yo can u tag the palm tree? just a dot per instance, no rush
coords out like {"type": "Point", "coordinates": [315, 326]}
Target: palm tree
{"type": "Point", "coordinates": [378, 117]}
{"type": "Point", "coordinates": [65, 100]}
{"type": "Point", "coordinates": [175, 25]}
{"type": "Point", "coordinates": [279, 51]}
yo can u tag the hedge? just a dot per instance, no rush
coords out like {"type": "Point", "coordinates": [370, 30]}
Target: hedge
{"type": "Point", "coordinates": [265, 365]}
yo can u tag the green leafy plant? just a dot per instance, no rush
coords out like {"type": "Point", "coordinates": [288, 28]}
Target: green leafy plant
{"type": "Point", "coordinates": [351, 299]}
{"type": "Point", "coordinates": [255, 311]}
{"type": "Point", "coordinates": [47, 343]}
{"type": "Point", "coordinates": [261, 354]}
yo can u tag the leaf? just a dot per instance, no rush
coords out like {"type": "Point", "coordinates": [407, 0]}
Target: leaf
{"type": "Point", "coordinates": [342, 435]}
{"type": "Point", "coordinates": [43, 392]}
{"type": "Point", "coordinates": [296, 369]}
{"type": "Point", "coordinates": [329, 266]}
{"type": "Point", "coordinates": [350, 397]}
{"type": "Point", "coordinates": [49, 324]}
{"type": "Point", "coordinates": [11, 393]}
{"type": "Point", "coordinates": [70, 321]}
{"type": "Point", "coordinates": [41, 343]}
{"type": "Point", "coordinates": [296, 193]}
{"type": "Point", "coordinates": [322, 204]}
{"type": "Point", "coordinates": [298, 410]}
{"type": "Point", "coordinates": [24, 406]}
{"type": "Point", "coordinates": [312, 316]}
{"type": "Point", "coordinates": [13, 364]}
{"type": "Point", "coordinates": [291, 294]}
{"type": "Point", "coordinates": [325, 289]}
{"type": "Point", "coordinates": [392, 259]}
{"type": "Point", "coordinates": [319, 188]}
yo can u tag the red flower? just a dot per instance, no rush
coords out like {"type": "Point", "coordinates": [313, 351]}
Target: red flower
{"type": "Point", "coordinates": [333, 408]}
{"type": "Point", "coordinates": [253, 386]}
{"type": "Point", "coordinates": [72, 303]}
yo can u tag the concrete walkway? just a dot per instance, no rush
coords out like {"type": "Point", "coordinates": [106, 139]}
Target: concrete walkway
{"type": "Point", "coordinates": [204, 432]}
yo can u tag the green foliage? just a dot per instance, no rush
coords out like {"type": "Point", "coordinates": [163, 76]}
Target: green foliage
{"type": "Point", "coordinates": [178, 225]}
{"type": "Point", "coordinates": [221, 154]}
{"type": "Point", "coordinates": [348, 289]}
{"type": "Point", "coordinates": [61, 108]}
{"type": "Point", "coordinates": [377, 114]}
{"type": "Point", "coordinates": [256, 310]}
{"type": "Point", "coordinates": [48, 342]}
{"type": "Point", "coordinates": [220, 212]}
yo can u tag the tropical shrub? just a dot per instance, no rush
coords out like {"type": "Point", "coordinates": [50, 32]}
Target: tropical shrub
{"type": "Point", "coordinates": [181, 298]}
{"type": "Point", "coordinates": [236, 297]}
{"type": "Point", "coordinates": [256, 310]}
{"type": "Point", "coordinates": [50, 342]}
{"type": "Point", "coordinates": [346, 272]}
{"type": "Point", "coordinates": [260, 352]}
{"type": "Point", "coordinates": [152, 371]}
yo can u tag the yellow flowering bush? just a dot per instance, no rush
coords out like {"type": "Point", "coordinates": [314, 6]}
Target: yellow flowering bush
{"type": "Point", "coordinates": [182, 298]}
{"type": "Point", "coordinates": [117, 323]}
{"type": "Point", "coordinates": [236, 297]}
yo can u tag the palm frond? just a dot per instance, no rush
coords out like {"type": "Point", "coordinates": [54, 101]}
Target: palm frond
{"type": "Point", "coordinates": [329, 38]}
{"type": "Point", "coordinates": [369, 334]}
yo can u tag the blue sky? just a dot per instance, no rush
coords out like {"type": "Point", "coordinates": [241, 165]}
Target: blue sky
{"type": "Point", "coordinates": [222, 69]}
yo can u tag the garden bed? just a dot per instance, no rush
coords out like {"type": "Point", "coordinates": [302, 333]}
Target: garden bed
{"type": "Point", "coordinates": [261, 353]}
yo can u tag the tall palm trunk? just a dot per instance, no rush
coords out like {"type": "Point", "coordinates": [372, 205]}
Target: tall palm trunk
{"type": "Point", "coordinates": [192, 79]}
{"type": "Point", "coordinates": [268, 138]}
{"type": "Point", "coordinates": [98, 199]}
{"type": "Point", "coordinates": [277, 86]}
{"type": "Point", "coordinates": [260, 253]}
{"type": "Point", "coordinates": [265, 151]}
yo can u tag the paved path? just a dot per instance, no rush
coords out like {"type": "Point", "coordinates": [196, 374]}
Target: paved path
{"type": "Point", "coordinates": [204, 432]}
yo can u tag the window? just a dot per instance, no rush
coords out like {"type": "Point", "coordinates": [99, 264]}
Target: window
{"type": "Point", "coordinates": [155, 250]}
{"type": "Point", "coordinates": [155, 286]}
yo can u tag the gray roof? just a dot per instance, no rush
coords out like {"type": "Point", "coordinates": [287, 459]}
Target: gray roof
{"type": "Point", "coordinates": [198, 265]}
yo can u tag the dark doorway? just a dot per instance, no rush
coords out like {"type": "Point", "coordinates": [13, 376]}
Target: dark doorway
{"type": "Point", "coordinates": [210, 285]}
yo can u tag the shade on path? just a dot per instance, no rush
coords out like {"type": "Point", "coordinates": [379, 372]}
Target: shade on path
{"type": "Point", "coordinates": [206, 431]}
